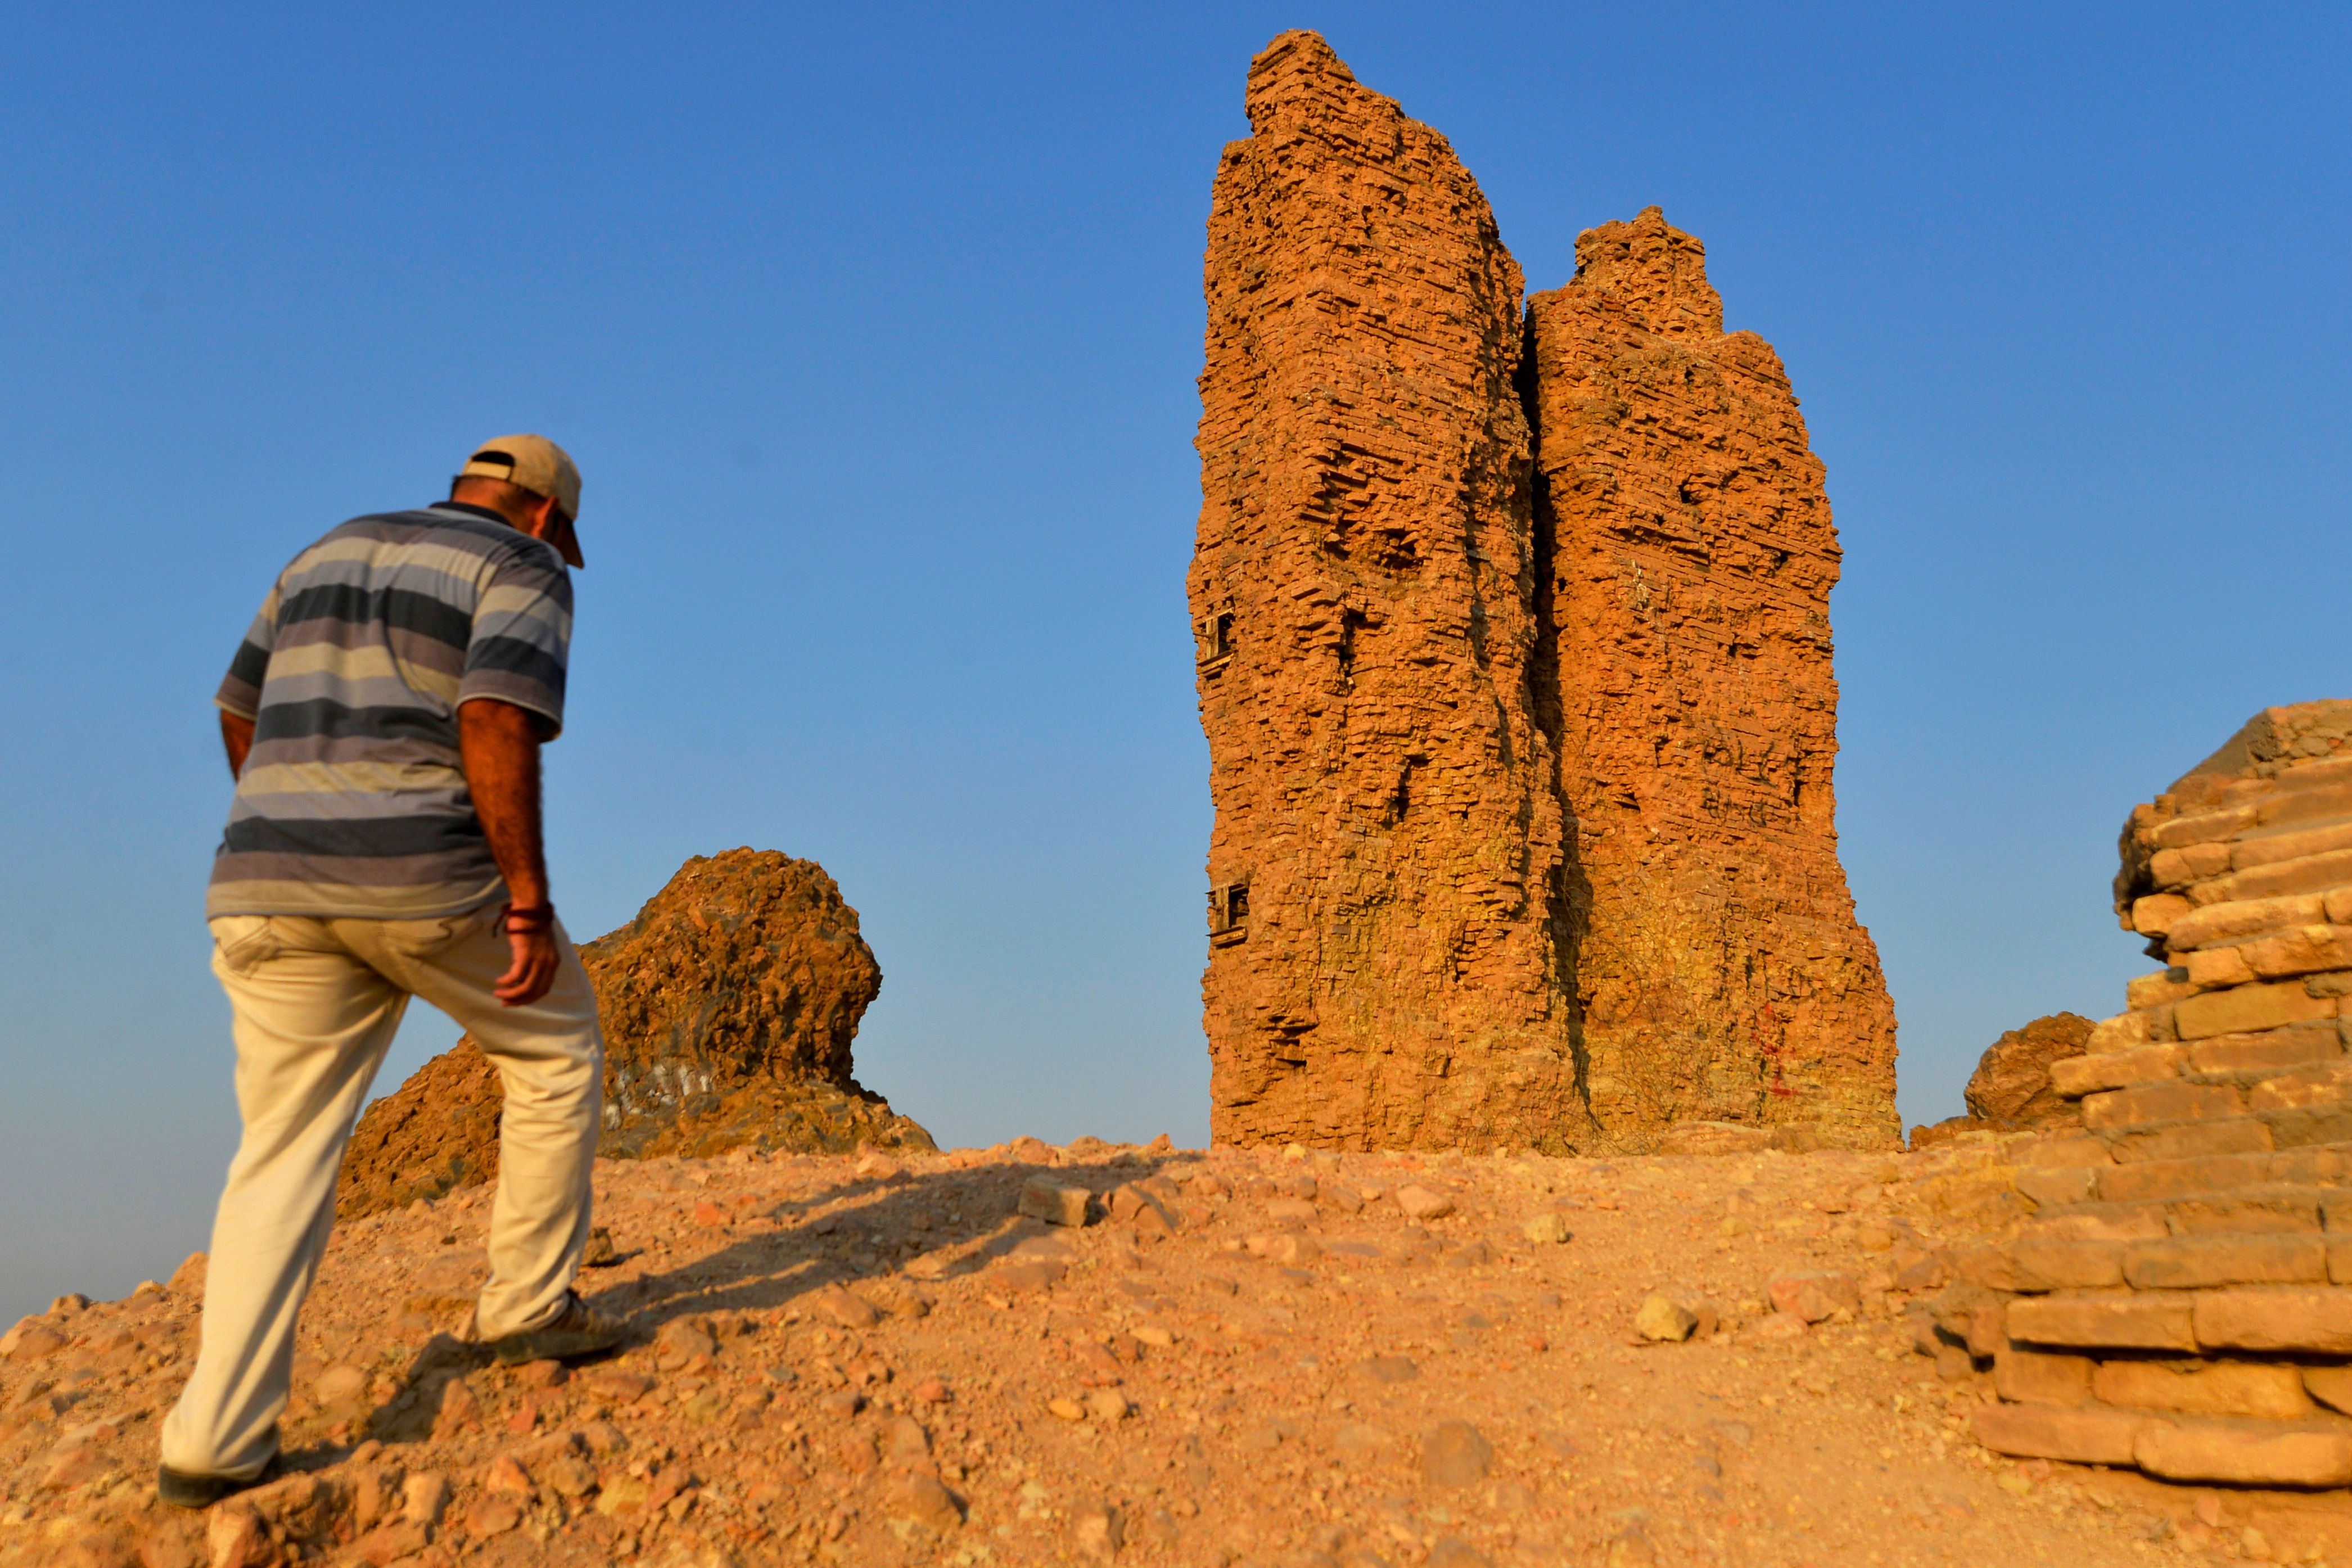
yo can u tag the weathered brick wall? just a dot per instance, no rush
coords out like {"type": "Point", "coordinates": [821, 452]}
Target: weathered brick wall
{"type": "Point", "coordinates": [1721, 971]}
{"type": "Point", "coordinates": [2182, 1299]}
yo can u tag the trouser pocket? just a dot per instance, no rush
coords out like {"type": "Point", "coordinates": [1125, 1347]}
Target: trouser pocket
{"type": "Point", "coordinates": [243, 943]}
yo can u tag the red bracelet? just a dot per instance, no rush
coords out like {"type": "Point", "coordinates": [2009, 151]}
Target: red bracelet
{"type": "Point", "coordinates": [538, 918]}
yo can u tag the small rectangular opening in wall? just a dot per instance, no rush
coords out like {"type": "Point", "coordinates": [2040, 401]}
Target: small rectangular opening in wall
{"type": "Point", "coordinates": [1228, 913]}
{"type": "Point", "coordinates": [1212, 635]}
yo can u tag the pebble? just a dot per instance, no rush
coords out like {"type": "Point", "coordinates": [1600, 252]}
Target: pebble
{"type": "Point", "coordinates": [1663, 1317]}
{"type": "Point", "coordinates": [1456, 1454]}
{"type": "Point", "coordinates": [1054, 1203]}
{"type": "Point", "coordinates": [1420, 1203]}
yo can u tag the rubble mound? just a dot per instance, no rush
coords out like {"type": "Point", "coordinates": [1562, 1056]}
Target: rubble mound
{"type": "Point", "coordinates": [729, 1007]}
{"type": "Point", "coordinates": [2012, 1088]}
{"type": "Point", "coordinates": [1513, 655]}
{"type": "Point", "coordinates": [2181, 1301]}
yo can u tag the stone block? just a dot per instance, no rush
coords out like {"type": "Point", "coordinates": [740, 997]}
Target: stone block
{"type": "Point", "coordinates": [2052, 1263]}
{"type": "Point", "coordinates": [2306, 1320]}
{"type": "Point", "coordinates": [2104, 1222]}
{"type": "Point", "coordinates": [2301, 843]}
{"type": "Point", "coordinates": [2336, 906]}
{"type": "Point", "coordinates": [2198, 1262]}
{"type": "Point", "coordinates": [2154, 915]}
{"type": "Point", "coordinates": [2266, 1211]}
{"type": "Point", "coordinates": [2240, 918]}
{"type": "Point", "coordinates": [2205, 827]}
{"type": "Point", "coordinates": [2311, 873]}
{"type": "Point", "coordinates": [2033, 1378]}
{"type": "Point", "coordinates": [2272, 1051]}
{"type": "Point", "coordinates": [2090, 1434]}
{"type": "Point", "coordinates": [2120, 1033]}
{"type": "Point", "coordinates": [2249, 1008]}
{"type": "Point", "coordinates": [2105, 1320]}
{"type": "Point", "coordinates": [2214, 969]}
{"type": "Point", "coordinates": [2075, 1076]}
{"type": "Point", "coordinates": [2162, 1102]}
{"type": "Point", "coordinates": [1988, 1328]}
{"type": "Point", "coordinates": [2204, 1388]}
{"type": "Point", "coordinates": [2190, 864]}
{"type": "Point", "coordinates": [2189, 1140]}
{"type": "Point", "coordinates": [2160, 989]}
{"type": "Point", "coordinates": [2334, 983]}
{"type": "Point", "coordinates": [2309, 1126]}
{"type": "Point", "coordinates": [2309, 803]}
{"type": "Point", "coordinates": [1987, 1268]}
{"type": "Point", "coordinates": [2299, 950]}
{"type": "Point", "coordinates": [2050, 1186]}
{"type": "Point", "coordinates": [2335, 1208]}
{"type": "Point", "coordinates": [2066, 1153]}
{"type": "Point", "coordinates": [2159, 1180]}
{"type": "Point", "coordinates": [2321, 1083]}
{"type": "Point", "coordinates": [2243, 1455]}
{"type": "Point", "coordinates": [2339, 1259]}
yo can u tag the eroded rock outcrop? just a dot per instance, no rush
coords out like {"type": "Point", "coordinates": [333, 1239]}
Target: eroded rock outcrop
{"type": "Point", "coordinates": [1520, 734]}
{"type": "Point", "coordinates": [1721, 971]}
{"type": "Point", "coordinates": [729, 1006]}
{"type": "Point", "coordinates": [1385, 967]}
{"type": "Point", "coordinates": [2012, 1087]}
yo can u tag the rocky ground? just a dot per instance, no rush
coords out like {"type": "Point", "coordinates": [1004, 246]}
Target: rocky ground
{"type": "Point", "coordinates": [1261, 1358]}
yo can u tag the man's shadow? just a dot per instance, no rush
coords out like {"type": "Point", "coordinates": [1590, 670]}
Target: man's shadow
{"type": "Point", "coordinates": [789, 1257]}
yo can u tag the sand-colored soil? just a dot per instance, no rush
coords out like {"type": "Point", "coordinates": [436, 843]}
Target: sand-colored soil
{"type": "Point", "coordinates": [876, 1360]}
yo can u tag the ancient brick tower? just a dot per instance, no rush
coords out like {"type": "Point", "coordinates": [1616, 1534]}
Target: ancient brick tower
{"type": "Point", "coordinates": [1386, 900]}
{"type": "Point", "coordinates": [1521, 784]}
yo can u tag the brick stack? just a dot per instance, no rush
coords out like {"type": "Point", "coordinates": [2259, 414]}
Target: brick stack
{"type": "Point", "coordinates": [2181, 1299]}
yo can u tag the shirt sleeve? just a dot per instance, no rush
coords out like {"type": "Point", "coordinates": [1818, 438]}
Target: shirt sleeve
{"type": "Point", "coordinates": [522, 635]}
{"type": "Point", "coordinates": [240, 691]}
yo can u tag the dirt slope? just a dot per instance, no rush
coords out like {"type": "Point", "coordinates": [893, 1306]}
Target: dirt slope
{"type": "Point", "coordinates": [876, 1360]}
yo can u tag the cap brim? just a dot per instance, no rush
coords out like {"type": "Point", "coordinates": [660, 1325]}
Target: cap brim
{"type": "Point", "coordinates": [567, 544]}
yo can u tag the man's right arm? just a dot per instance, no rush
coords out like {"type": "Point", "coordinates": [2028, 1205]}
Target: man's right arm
{"type": "Point", "coordinates": [500, 744]}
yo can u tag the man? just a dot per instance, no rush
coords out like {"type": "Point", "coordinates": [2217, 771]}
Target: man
{"type": "Point", "coordinates": [383, 720]}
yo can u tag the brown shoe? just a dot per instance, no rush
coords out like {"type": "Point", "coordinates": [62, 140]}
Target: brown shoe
{"type": "Point", "coordinates": [578, 1330]}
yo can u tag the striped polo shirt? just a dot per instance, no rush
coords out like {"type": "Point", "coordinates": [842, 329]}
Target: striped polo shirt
{"type": "Point", "coordinates": [353, 801]}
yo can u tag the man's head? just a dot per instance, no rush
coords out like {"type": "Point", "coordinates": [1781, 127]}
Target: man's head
{"type": "Point", "coordinates": [530, 482]}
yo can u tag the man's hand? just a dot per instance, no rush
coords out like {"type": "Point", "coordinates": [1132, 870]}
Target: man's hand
{"type": "Point", "coordinates": [532, 974]}
{"type": "Point", "coordinates": [500, 744]}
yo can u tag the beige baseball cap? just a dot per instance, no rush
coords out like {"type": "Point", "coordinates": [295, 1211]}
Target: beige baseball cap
{"type": "Point", "coordinates": [540, 466]}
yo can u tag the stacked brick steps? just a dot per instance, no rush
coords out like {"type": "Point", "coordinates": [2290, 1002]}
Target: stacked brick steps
{"type": "Point", "coordinates": [2180, 1301]}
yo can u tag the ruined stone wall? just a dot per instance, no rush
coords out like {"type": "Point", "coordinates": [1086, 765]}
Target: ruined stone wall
{"type": "Point", "coordinates": [1721, 970]}
{"type": "Point", "coordinates": [2181, 1299]}
{"type": "Point", "coordinates": [1421, 670]}
{"type": "Point", "coordinates": [1384, 969]}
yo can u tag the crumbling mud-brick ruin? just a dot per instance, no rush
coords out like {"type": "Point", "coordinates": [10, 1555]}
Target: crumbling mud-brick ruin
{"type": "Point", "coordinates": [2180, 1300]}
{"type": "Point", "coordinates": [1514, 659]}
{"type": "Point", "coordinates": [729, 1006]}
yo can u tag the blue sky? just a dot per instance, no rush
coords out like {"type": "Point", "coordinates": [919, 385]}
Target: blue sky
{"type": "Point", "coordinates": [875, 329]}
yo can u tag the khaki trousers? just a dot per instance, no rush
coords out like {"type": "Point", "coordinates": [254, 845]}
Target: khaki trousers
{"type": "Point", "coordinates": [317, 1002]}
